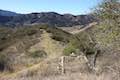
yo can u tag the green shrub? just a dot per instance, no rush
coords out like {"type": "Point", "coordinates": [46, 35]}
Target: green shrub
{"type": "Point", "coordinates": [38, 54]}
{"type": "Point", "coordinates": [4, 62]}
{"type": "Point", "coordinates": [82, 43]}
{"type": "Point", "coordinates": [68, 50]}
{"type": "Point", "coordinates": [56, 37]}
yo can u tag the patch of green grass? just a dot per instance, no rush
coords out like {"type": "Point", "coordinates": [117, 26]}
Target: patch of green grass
{"type": "Point", "coordinates": [38, 54]}
{"type": "Point", "coordinates": [69, 49]}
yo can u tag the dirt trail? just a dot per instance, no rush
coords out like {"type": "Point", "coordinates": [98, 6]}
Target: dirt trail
{"type": "Point", "coordinates": [52, 47]}
{"type": "Point", "coordinates": [77, 29]}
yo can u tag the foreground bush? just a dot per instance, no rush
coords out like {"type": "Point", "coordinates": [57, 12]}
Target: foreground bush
{"type": "Point", "coordinates": [69, 49]}
{"type": "Point", "coordinates": [82, 41]}
{"type": "Point", "coordinates": [5, 63]}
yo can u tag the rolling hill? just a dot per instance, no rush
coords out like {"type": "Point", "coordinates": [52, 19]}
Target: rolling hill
{"type": "Point", "coordinates": [7, 13]}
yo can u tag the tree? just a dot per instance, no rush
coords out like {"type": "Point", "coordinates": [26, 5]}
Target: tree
{"type": "Point", "coordinates": [108, 10]}
{"type": "Point", "coordinates": [106, 35]}
{"type": "Point", "coordinates": [108, 13]}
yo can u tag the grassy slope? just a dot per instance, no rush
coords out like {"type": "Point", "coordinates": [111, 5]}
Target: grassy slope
{"type": "Point", "coordinates": [31, 39]}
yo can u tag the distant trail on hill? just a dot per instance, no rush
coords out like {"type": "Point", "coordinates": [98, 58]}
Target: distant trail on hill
{"type": "Point", "coordinates": [85, 28]}
{"type": "Point", "coordinates": [75, 30]}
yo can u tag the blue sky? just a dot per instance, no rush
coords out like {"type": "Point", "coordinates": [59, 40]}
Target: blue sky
{"type": "Point", "coordinates": [60, 6]}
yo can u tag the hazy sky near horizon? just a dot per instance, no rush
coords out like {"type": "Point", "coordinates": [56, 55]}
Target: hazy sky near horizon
{"type": "Point", "coordinates": [60, 6]}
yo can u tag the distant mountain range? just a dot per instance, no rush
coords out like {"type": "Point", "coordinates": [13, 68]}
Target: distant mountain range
{"type": "Point", "coordinates": [9, 18]}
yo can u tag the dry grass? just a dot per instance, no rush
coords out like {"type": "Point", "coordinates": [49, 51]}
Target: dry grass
{"type": "Point", "coordinates": [27, 66]}
{"type": "Point", "coordinates": [25, 40]}
{"type": "Point", "coordinates": [76, 69]}
{"type": "Point", "coordinates": [52, 47]}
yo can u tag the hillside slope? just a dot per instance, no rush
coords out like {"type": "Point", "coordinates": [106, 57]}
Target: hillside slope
{"type": "Point", "coordinates": [37, 51]}
{"type": "Point", "coordinates": [53, 49]}
{"type": "Point", "coordinates": [27, 47]}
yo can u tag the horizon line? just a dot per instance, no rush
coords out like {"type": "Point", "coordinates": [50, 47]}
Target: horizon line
{"type": "Point", "coordinates": [46, 12]}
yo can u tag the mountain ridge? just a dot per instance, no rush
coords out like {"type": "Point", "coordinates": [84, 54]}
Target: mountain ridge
{"type": "Point", "coordinates": [50, 18]}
